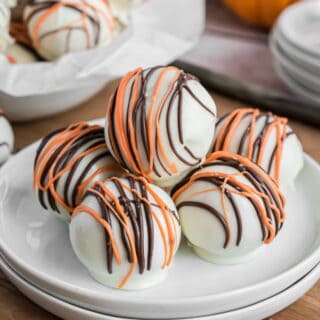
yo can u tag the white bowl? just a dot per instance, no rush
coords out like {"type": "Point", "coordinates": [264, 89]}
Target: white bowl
{"type": "Point", "coordinates": [153, 37]}
{"type": "Point", "coordinates": [43, 105]}
{"type": "Point", "coordinates": [41, 89]}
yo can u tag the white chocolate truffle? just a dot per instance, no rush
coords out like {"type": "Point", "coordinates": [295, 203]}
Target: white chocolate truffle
{"type": "Point", "coordinates": [122, 8]}
{"type": "Point", "coordinates": [264, 138]}
{"type": "Point", "coordinates": [17, 53]}
{"type": "Point", "coordinates": [3, 59]}
{"type": "Point", "coordinates": [229, 208]}
{"type": "Point", "coordinates": [160, 123]}
{"type": "Point", "coordinates": [7, 59]}
{"type": "Point", "coordinates": [6, 138]}
{"type": "Point", "coordinates": [126, 233]}
{"type": "Point", "coordinates": [10, 3]}
{"type": "Point", "coordinates": [17, 10]}
{"type": "Point", "coordinates": [5, 38]}
{"type": "Point", "coordinates": [67, 163]}
{"type": "Point", "coordinates": [60, 27]}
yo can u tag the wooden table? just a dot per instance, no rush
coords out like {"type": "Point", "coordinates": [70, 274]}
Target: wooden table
{"type": "Point", "coordinates": [14, 306]}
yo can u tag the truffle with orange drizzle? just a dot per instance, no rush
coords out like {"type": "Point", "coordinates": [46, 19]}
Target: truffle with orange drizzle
{"type": "Point", "coordinates": [126, 232]}
{"type": "Point", "coordinates": [265, 139]}
{"type": "Point", "coordinates": [229, 208]}
{"type": "Point", "coordinates": [160, 123]}
{"type": "Point", "coordinates": [122, 8]}
{"type": "Point", "coordinates": [57, 27]}
{"type": "Point", "coordinates": [17, 53]}
{"type": "Point", "coordinates": [5, 38]}
{"type": "Point", "coordinates": [11, 52]}
{"type": "Point", "coordinates": [67, 163]}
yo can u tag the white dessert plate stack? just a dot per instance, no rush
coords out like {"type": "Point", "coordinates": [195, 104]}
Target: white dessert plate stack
{"type": "Point", "coordinates": [295, 47]}
{"type": "Point", "coordinates": [36, 255]}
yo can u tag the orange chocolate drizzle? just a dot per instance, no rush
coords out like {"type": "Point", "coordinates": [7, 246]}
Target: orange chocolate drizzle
{"type": "Point", "coordinates": [261, 190]}
{"type": "Point", "coordinates": [19, 32]}
{"type": "Point", "coordinates": [256, 142]}
{"type": "Point", "coordinates": [133, 209]}
{"type": "Point", "coordinates": [133, 126]}
{"type": "Point", "coordinates": [88, 14]}
{"type": "Point", "coordinates": [11, 59]}
{"type": "Point", "coordinates": [57, 157]}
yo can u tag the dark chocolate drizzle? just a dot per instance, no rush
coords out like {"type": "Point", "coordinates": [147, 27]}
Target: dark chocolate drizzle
{"type": "Point", "coordinates": [139, 215]}
{"type": "Point", "coordinates": [258, 182]}
{"type": "Point", "coordinates": [93, 138]}
{"type": "Point", "coordinates": [139, 121]}
{"type": "Point", "coordinates": [268, 119]}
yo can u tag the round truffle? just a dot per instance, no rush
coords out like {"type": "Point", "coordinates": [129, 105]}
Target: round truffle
{"type": "Point", "coordinates": [160, 123]}
{"type": "Point", "coordinates": [67, 163]}
{"type": "Point", "coordinates": [17, 53]}
{"type": "Point", "coordinates": [60, 27]}
{"type": "Point", "coordinates": [17, 10]}
{"type": "Point", "coordinates": [3, 59]}
{"type": "Point", "coordinates": [10, 3]}
{"type": "Point", "coordinates": [6, 138]}
{"type": "Point", "coordinates": [5, 38]}
{"type": "Point", "coordinates": [121, 9]}
{"type": "Point", "coordinates": [264, 138]}
{"type": "Point", "coordinates": [229, 208]}
{"type": "Point", "coordinates": [126, 232]}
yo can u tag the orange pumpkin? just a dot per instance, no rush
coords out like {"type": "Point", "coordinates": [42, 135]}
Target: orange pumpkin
{"type": "Point", "coordinates": [260, 13]}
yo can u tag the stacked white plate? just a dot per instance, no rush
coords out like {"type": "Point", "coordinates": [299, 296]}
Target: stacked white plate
{"type": "Point", "coordinates": [295, 46]}
{"type": "Point", "coordinates": [36, 255]}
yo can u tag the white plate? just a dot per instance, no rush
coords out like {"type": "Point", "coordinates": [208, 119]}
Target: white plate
{"type": "Point", "coordinates": [308, 78]}
{"type": "Point", "coordinates": [58, 307]}
{"type": "Point", "coordinates": [294, 85]}
{"type": "Point", "coordinates": [300, 24]}
{"type": "Point", "coordinates": [36, 245]}
{"type": "Point", "coordinates": [300, 57]}
{"type": "Point", "coordinates": [257, 311]}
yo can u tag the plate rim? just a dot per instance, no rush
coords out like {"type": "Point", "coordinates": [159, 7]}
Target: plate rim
{"type": "Point", "coordinates": [9, 269]}
{"type": "Point", "coordinates": [292, 50]}
{"type": "Point", "coordinates": [313, 80]}
{"type": "Point", "coordinates": [294, 85]}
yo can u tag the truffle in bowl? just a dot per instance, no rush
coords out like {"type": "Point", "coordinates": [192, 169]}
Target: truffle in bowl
{"type": "Point", "coordinates": [37, 89]}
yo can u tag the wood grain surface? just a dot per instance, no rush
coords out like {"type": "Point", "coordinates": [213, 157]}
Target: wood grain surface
{"type": "Point", "coordinates": [14, 306]}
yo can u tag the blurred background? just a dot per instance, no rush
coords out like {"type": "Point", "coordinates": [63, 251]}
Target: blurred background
{"type": "Point", "coordinates": [267, 51]}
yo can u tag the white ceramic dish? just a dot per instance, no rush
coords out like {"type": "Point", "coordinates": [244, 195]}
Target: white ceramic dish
{"type": "Point", "coordinates": [304, 76]}
{"type": "Point", "coordinates": [43, 105]}
{"type": "Point", "coordinates": [256, 311]}
{"type": "Point", "coordinates": [300, 57]}
{"type": "Point", "coordinates": [300, 24]}
{"type": "Point", "coordinates": [294, 85]}
{"type": "Point", "coordinates": [37, 246]}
